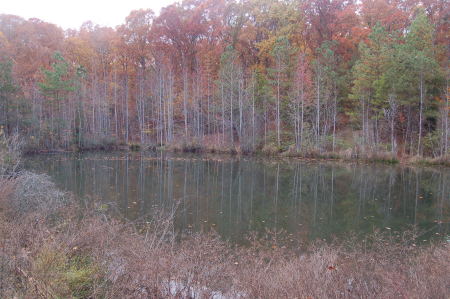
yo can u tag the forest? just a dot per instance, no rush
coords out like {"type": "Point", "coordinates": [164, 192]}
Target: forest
{"type": "Point", "coordinates": [297, 76]}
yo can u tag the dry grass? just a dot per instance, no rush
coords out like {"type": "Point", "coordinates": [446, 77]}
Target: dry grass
{"type": "Point", "coordinates": [443, 160]}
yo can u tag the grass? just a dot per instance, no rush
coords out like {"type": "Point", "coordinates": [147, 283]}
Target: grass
{"type": "Point", "coordinates": [210, 144]}
{"type": "Point", "coordinates": [61, 275]}
{"type": "Point", "coordinates": [424, 161]}
{"type": "Point", "coordinates": [350, 155]}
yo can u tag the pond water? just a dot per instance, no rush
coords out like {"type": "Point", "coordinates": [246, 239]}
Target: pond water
{"type": "Point", "coordinates": [307, 200]}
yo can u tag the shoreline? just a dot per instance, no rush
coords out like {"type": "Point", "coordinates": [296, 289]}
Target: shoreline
{"type": "Point", "coordinates": [378, 158]}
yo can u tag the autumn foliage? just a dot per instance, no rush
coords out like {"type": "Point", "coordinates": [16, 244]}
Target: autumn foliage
{"type": "Point", "coordinates": [235, 75]}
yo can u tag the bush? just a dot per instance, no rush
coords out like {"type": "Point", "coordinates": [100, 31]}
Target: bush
{"type": "Point", "coordinates": [37, 193]}
{"type": "Point", "coordinates": [10, 153]}
{"type": "Point", "coordinates": [135, 147]}
{"type": "Point", "coordinates": [431, 143]}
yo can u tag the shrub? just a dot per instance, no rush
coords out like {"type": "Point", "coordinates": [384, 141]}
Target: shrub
{"type": "Point", "coordinates": [36, 192]}
{"type": "Point", "coordinates": [135, 147]}
{"type": "Point", "coordinates": [10, 154]}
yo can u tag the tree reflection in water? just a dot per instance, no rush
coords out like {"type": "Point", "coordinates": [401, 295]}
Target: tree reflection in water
{"type": "Point", "coordinates": [238, 196]}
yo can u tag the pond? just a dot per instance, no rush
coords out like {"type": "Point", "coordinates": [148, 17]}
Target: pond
{"type": "Point", "coordinates": [307, 200]}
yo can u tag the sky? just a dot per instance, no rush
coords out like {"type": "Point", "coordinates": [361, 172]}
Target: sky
{"type": "Point", "coordinates": [71, 14]}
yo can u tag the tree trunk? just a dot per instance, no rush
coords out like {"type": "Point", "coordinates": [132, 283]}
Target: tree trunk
{"type": "Point", "coordinates": [318, 107]}
{"type": "Point", "coordinates": [278, 102]}
{"type": "Point", "coordinates": [334, 120]}
{"type": "Point", "coordinates": [253, 114]}
{"type": "Point", "coordinates": [422, 95]}
{"type": "Point", "coordinates": [126, 107]}
{"type": "Point", "coordinates": [185, 90]}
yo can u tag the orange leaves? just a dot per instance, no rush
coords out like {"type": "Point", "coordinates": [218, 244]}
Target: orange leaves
{"type": "Point", "coordinates": [79, 50]}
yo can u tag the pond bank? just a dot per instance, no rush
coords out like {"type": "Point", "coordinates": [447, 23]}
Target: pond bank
{"type": "Point", "coordinates": [379, 158]}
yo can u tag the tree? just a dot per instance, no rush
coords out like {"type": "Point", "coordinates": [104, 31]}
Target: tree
{"type": "Point", "coordinates": [56, 86]}
{"type": "Point", "coordinates": [424, 68]}
{"type": "Point", "coordinates": [81, 74]}
{"type": "Point", "coordinates": [369, 83]}
{"type": "Point", "coordinates": [8, 89]}
{"type": "Point", "coordinates": [230, 78]}
{"type": "Point", "coordinates": [281, 55]}
{"type": "Point", "coordinates": [137, 37]}
{"type": "Point", "coordinates": [326, 88]}
{"type": "Point", "coordinates": [303, 87]}
{"type": "Point", "coordinates": [263, 98]}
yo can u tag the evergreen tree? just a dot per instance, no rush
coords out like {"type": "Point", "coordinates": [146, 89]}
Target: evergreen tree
{"type": "Point", "coordinates": [56, 85]}
{"type": "Point", "coordinates": [8, 90]}
{"type": "Point", "coordinates": [369, 80]}
{"type": "Point", "coordinates": [424, 69]}
{"type": "Point", "coordinates": [415, 72]}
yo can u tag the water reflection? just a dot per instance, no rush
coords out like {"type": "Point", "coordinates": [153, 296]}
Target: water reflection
{"type": "Point", "coordinates": [233, 197]}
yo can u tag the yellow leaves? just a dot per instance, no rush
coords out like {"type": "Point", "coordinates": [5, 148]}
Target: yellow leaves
{"type": "Point", "coordinates": [79, 50]}
{"type": "Point", "coordinates": [3, 41]}
{"type": "Point", "coordinates": [265, 47]}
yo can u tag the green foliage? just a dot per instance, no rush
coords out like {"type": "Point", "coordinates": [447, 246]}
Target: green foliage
{"type": "Point", "coordinates": [414, 61]}
{"type": "Point", "coordinates": [7, 85]}
{"type": "Point", "coordinates": [286, 141]}
{"type": "Point", "coordinates": [135, 147]}
{"type": "Point", "coordinates": [431, 143]}
{"type": "Point", "coordinates": [326, 71]}
{"type": "Point", "coordinates": [8, 90]}
{"type": "Point", "coordinates": [57, 81]}
{"type": "Point", "coordinates": [371, 81]}
{"type": "Point", "coordinates": [263, 94]}
{"type": "Point", "coordinates": [62, 276]}
{"type": "Point", "coordinates": [398, 72]}
{"type": "Point", "coordinates": [282, 53]}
